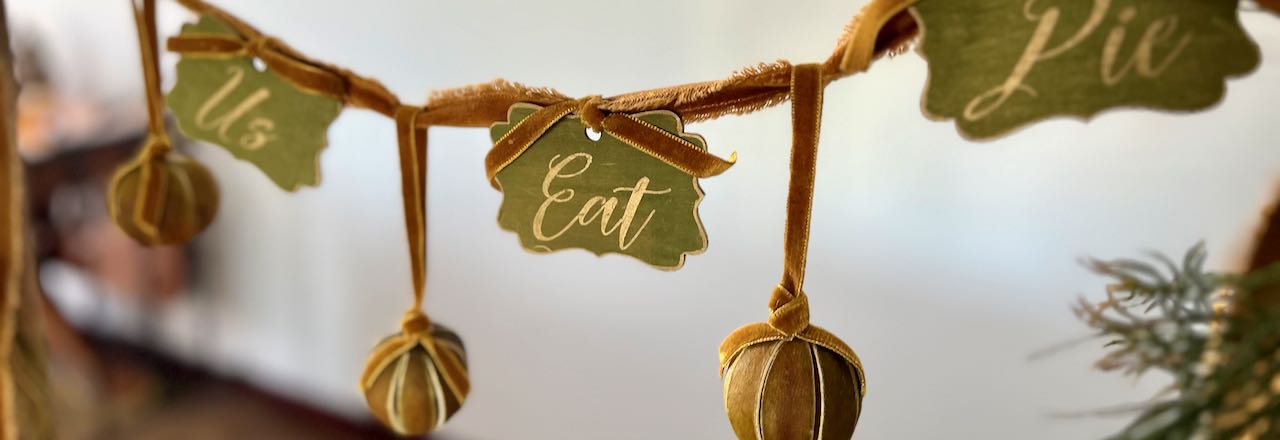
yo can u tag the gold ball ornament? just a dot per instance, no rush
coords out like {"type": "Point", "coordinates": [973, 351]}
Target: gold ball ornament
{"type": "Point", "coordinates": [788, 380]}
{"type": "Point", "coordinates": [417, 379]}
{"type": "Point", "coordinates": [162, 198]}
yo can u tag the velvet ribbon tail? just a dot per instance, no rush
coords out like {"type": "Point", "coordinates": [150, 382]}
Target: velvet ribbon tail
{"type": "Point", "coordinates": [669, 148]}
{"type": "Point", "coordinates": [150, 208]}
{"type": "Point", "coordinates": [413, 183]}
{"type": "Point", "coordinates": [789, 304]}
{"type": "Point", "coordinates": [520, 137]}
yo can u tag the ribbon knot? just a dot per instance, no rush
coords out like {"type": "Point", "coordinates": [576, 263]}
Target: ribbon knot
{"type": "Point", "coordinates": [415, 322]}
{"type": "Point", "coordinates": [156, 145]}
{"type": "Point", "coordinates": [667, 147]}
{"type": "Point", "coordinates": [589, 111]}
{"type": "Point", "coordinates": [257, 45]}
{"type": "Point", "coordinates": [304, 73]}
{"type": "Point", "coordinates": [790, 311]}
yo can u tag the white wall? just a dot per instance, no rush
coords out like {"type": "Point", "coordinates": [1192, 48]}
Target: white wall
{"type": "Point", "coordinates": [944, 263]}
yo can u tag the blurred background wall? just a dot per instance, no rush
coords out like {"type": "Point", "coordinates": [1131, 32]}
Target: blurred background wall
{"type": "Point", "coordinates": [944, 263]}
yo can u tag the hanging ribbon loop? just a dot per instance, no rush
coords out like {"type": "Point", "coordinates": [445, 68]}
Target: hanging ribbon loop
{"type": "Point", "coordinates": [789, 304]}
{"type": "Point", "coordinates": [147, 212]}
{"type": "Point", "coordinates": [413, 184]}
{"type": "Point", "coordinates": [144, 16]}
{"type": "Point", "coordinates": [646, 137]}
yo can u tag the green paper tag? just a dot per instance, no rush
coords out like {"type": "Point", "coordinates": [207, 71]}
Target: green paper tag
{"type": "Point", "coordinates": [997, 65]}
{"type": "Point", "coordinates": [256, 115]}
{"type": "Point", "coordinates": [569, 191]}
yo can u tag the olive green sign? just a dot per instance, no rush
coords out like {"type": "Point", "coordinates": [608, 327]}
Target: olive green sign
{"type": "Point", "coordinates": [253, 113]}
{"type": "Point", "coordinates": [998, 65]}
{"type": "Point", "coordinates": [569, 191]}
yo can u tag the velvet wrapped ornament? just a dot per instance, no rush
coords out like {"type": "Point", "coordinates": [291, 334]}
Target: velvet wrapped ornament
{"type": "Point", "coordinates": [786, 379]}
{"type": "Point", "coordinates": [162, 198]}
{"type": "Point", "coordinates": [417, 379]}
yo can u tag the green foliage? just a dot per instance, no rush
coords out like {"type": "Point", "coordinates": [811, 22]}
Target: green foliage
{"type": "Point", "coordinates": [1203, 328]}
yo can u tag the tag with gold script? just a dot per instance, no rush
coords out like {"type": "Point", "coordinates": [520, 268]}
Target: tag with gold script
{"type": "Point", "coordinates": [252, 112]}
{"type": "Point", "coordinates": [998, 65]}
{"type": "Point", "coordinates": [605, 196]}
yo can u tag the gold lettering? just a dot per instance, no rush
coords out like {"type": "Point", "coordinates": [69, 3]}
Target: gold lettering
{"type": "Point", "coordinates": [1037, 50]}
{"type": "Point", "coordinates": [260, 129]}
{"type": "Point", "coordinates": [597, 208]}
{"type": "Point", "coordinates": [564, 195]}
{"type": "Point", "coordinates": [1143, 59]}
{"type": "Point", "coordinates": [629, 214]}
{"type": "Point", "coordinates": [606, 205]}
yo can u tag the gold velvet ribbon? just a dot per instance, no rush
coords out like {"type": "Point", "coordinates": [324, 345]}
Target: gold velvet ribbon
{"type": "Point", "coordinates": [147, 213]}
{"type": "Point", "coordinates": [646, 137]}
{"type": "Point", "coordinates": [861, 50]}
{"type": "Point", "coordinates": [13, 250]}
{"type": "Point", "coordinates": [262, 47]}
{"type": "Point", "coordinates": [882, 27]}
{"type": "Point", "coordinates": [308, 74]}
{"type": "Point", "coordinates": [789, 304]}
{"type": "Point", "coordinates": [413, 184]}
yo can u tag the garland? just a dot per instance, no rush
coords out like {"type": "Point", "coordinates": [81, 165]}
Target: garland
{"type": "Point", "coordinates": [620, 174]}
{"type": "Point", "coordinates": [884, 27]}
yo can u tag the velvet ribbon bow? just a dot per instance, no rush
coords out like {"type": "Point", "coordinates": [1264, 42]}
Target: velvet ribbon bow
{"type": "Point", "coordinates": [644, 136]}
{"type": "Point", "coordinates": [307, 74]}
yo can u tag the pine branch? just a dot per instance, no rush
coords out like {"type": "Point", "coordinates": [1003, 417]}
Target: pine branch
{"type": "Point", "coordinates": [1174, 317]}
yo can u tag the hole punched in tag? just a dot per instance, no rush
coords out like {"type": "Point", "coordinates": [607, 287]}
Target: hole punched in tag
{"type": "Point", "coordinates": [593, 135]}
{"type": "Point", "coordinates": [259, 65]}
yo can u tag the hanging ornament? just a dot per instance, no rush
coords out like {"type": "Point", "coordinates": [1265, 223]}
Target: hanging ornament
{"type": "Point", "coordinates": [161, 197]}
{"type": "Point", "coordinates": [416, 379]}
{"type": "Point", "coordinates": [629, 186]}
{"type": "Point", "coordinates": [786, 379]}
